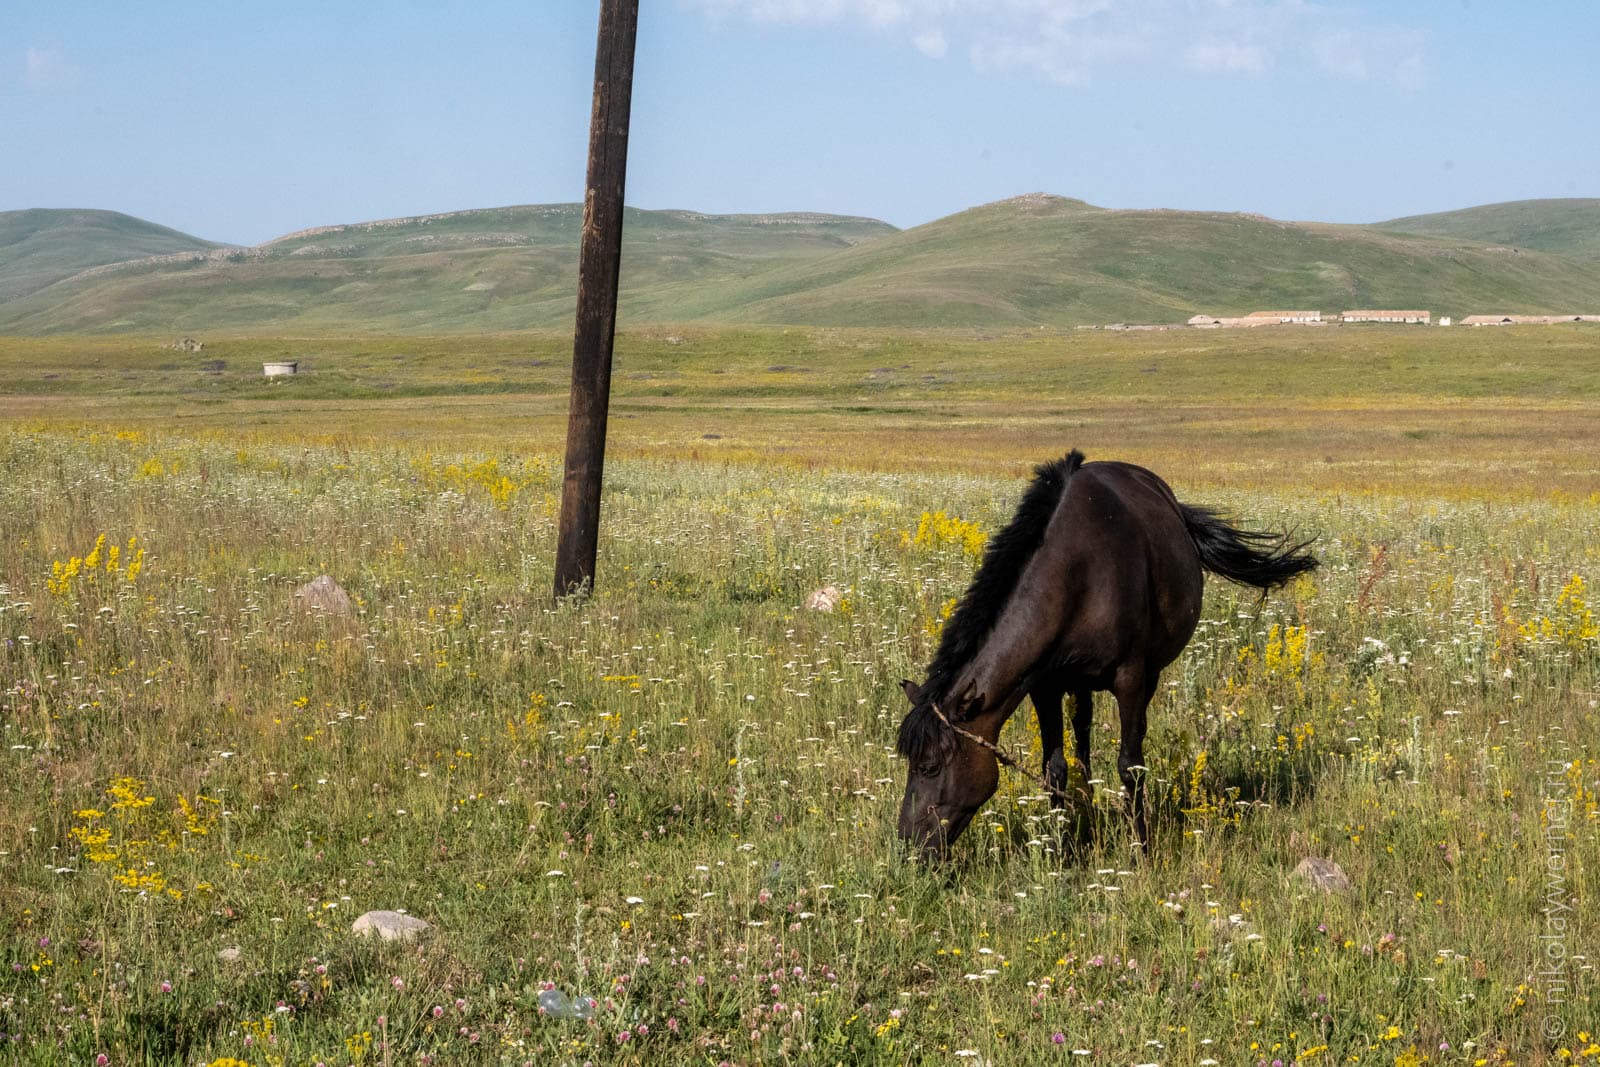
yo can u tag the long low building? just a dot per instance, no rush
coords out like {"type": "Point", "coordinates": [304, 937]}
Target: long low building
{"type": "Point", "coordinates": [1525, 320]}
{"type": "Point", "coordinates": [1286, 316]}
{"type": "Point", "coordinates": [1215, 321]}
{"type": "Point", "coordinates": [1257, 318]}
{"type": "Point", "coordinates": [1386, 316]}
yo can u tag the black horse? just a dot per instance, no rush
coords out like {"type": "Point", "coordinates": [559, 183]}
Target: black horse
{"type": "Point", "coordinates": [1094, 585]}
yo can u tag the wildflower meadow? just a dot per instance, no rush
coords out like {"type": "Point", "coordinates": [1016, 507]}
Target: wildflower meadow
{"type": "Point", "coordinates": [678, 797]}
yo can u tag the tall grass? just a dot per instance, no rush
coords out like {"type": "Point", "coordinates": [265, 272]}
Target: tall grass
{"type": "Point", "coordinates": [679, 797]}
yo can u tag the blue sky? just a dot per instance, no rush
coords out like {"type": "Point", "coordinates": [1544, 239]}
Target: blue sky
{"type": "Point", "coordinates": [242, 122]}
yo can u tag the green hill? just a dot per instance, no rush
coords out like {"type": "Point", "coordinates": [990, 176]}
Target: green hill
{"type": "Point", "coordinates": [500, 268]}
{"type": "Point", "coordinates": [1567, 226]}
{"type": "Point", "coordinates": [41, 246]}
{"type": "Point", "coordinates": [1050, 260]}
{"type": "Point", "coordinates": [1034, 259]}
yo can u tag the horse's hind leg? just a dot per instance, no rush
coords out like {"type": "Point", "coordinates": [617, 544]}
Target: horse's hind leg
{"type": "Point", "coordinates": [1133, 693]}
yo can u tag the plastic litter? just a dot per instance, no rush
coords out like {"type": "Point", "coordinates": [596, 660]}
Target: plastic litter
{"type": "Point", "coordinates": [557, 1005]}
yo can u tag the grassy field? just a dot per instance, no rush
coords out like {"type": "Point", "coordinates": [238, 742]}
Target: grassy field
{"type": "Point", "coordinates": [1507, 411]}
{"type": "Point", "coordinates": [679, 797]}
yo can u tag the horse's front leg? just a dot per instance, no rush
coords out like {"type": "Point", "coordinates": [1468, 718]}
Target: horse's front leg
{"type": "Point", "coordinates": [1047, 707]}
{"type": "Point", "coordinates": [1082, 724]}
{"type": "Point", "coordinates": [1068, 791]}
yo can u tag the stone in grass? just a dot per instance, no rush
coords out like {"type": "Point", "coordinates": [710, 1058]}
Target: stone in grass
{"type": "Point", "coordinates": [324, 594]}
{"type": "Point", "coordinates": [1228, 927]}
{"type": "Point", "coordinates": [389, 925]}
{"type": "Point", "coordinates": [825, 599]}
{"type": "Point", "coordinates": [1322, 874]}
{"type": "Point", "coordinates": [231, 954]}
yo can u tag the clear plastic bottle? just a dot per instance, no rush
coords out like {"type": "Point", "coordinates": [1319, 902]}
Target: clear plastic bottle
{"type": "Point", "coordinates": [557, 1005]}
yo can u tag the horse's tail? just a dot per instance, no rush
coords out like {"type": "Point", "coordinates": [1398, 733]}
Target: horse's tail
{"type": "Point", "coordinates": [1249, 557]}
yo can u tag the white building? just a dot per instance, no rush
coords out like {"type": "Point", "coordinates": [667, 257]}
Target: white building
{"type": "Point", "coordinates": [1286, 316]}
{"type": "Point", "coordinates": [1386, 316]}
{"type": "Point", "coordinates": [1525, 320]}
{"type": "Point", "coordinates": [1213, 322]}
{"type": "Point", "coordinates": [1255, 318]}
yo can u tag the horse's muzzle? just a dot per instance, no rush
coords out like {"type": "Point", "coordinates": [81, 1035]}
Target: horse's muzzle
{"type": "Point", "coordinates": [930, 832]}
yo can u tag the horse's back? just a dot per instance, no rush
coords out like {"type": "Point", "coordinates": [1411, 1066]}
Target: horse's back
{"type": "Point", "coordinates": [1132, 512]}
{"type": "Point", "coordinates": [1130, 565]}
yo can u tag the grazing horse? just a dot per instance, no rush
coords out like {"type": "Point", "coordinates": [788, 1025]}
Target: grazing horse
{"type": "Point", "coordinates": [1094, 585]}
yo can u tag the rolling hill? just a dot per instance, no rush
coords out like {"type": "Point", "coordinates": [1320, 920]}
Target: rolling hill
{"type": "Point", "coordinates": [41, 246]}
{"type": "Point", "coordinates": [1052, 260]}
{"type": "Point", "coordinates": [1030, 260]}
{"type": "Point", "coordinates": [499, 268]}
{"type": "Point", "coordinates": [1571, 226]}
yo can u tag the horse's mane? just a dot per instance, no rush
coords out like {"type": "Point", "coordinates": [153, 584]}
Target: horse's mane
{"type": "Point", "coordinates": [1004, 559]}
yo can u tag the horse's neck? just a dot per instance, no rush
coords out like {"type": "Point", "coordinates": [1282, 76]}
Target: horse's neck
{"type": "Point", "coordinates": [1023, 636]}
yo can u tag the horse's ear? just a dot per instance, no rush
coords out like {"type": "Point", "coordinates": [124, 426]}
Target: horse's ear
{"type": "Point", "coordinates": [912, 690]}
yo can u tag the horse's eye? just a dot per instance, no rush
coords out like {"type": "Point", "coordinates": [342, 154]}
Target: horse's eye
{"type": "Point", "coordinates": [928, 768]}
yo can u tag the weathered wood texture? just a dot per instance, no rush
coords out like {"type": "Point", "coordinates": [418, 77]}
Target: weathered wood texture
{"type": "Point", "coordinates": [600, 259]}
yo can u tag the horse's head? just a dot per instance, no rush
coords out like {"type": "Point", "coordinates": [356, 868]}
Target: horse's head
{"type": "Point", "coordinates": [949, 775]}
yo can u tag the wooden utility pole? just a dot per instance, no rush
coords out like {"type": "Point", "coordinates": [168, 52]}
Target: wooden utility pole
{"type": "Point", "coordinates": [599, 260]}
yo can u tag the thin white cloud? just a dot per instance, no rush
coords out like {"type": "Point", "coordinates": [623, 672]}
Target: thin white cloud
{"type": "Point", "coordinates": [1341, 53]}
{"type": "Point", "coordinates": [1229, 56]}
{"type": "Point", "coordinates": [1411, 72]}
{"type": "Point", "coordinates": [931, 43]}
{"type": "Point", "coordinates": [872, 12]}
{"type": "Point", "coordinates": [1066, 41]}
{"type": "Point", "coordinates": [47, 68]}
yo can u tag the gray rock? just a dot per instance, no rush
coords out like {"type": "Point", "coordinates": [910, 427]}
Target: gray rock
{"type": "Point", "coordinates": [1322, 874]}
{"type": "Point", "coordinates": [1228, 927]}
{"type": "Point", "coordinates": [389, 925]}
{"type": "Point", "coordinates": [324, 594]}
{"type": "Point", "coordinates": [230, 954]}
{"type": "Point", "coordinates": [825, 599]}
